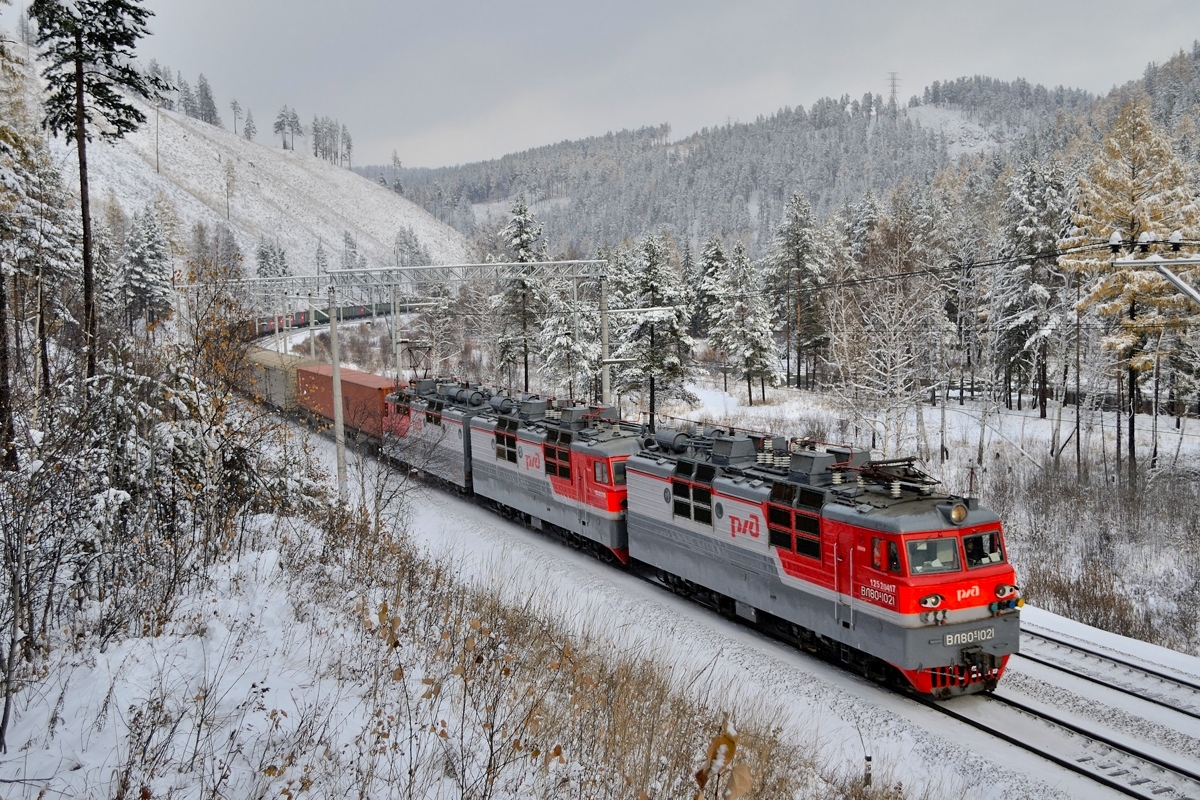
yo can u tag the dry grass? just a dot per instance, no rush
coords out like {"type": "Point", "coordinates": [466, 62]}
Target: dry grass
{"type": "Point", "coordinates": [477, 684]}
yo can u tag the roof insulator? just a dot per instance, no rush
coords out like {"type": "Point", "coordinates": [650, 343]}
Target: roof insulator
{"type": "Point", "coordinates": [1176, 241]}
{"type": "Point", "coordinates": [1144, 242]}
{"type": "Point", "coordinates": [1114, 242]}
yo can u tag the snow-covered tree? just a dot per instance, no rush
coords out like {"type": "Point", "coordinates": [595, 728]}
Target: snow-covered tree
{"type": "Point", "coordinates": [712, 268]}
{"type": "Point", "coordinates": [146, 269]}
{"type": "Point", "coordinates": [408, 248]}
{"type": "Point", "coordinates": [206, 105]}
{"type": "Point", "coordinates": [236, 108]}
{"type": "Point", "coordinates": [321, 259]}
{"type": "Point", "coordinates": [89, 47]}
{"type": "Point", "coordinates": [657, 339]}
{"type": "Point", "coordinates": [569, 341]}
{"type": "Point", "coordinates": [518, 303]}
{"type": "Point", "coordinates": [347, 146]}
{"type": "Point", "coordinates": [249, 130]}
{"type": "Point", "coordinates": [271, 259]}
{"type": "Point", "coordinates": [799, 260]}
{"type": "Point", "coordinates": [282, 124]}
{"type": "Point", "coordinates": [351, 258]}
{"type": "Point", "coordinates": [740, 328]}
{"type": "Point", "coordinates": [1135, 185]}
{"type": "Point", "coordinates": [294, 126]}
{"type": "Point", "coordinates": [1031, 291]}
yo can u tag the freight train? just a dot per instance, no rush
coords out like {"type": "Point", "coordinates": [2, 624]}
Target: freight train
{"type": "Point", "coordinates": [859, 560]}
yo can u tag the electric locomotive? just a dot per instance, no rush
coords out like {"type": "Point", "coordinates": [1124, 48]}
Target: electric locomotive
{"type": "Point", "coordinates": [855, 558]}
{"type": "Point", "coordinates": [555, 466]}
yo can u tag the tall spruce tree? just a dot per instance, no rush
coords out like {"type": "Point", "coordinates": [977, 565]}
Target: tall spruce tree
{"type": "Point", "coordinates": [282, 120]}
{"type": "Point", "coordinates": [146, 269]}
{"type": "Point", "coordinates": [519, 299]}
{"type": "Point", "coordinates": [712, 269]}
{"type": "Point", "coordinates": [206, 105]}
{"type": "Point", "coordinates": [249, 130]}
{"type": "Point", "coordinates": [89, 46]}
{"type": "Point", "coordinates": [658, 340]}
{"type": "Point", "coordinates": [799, 261]}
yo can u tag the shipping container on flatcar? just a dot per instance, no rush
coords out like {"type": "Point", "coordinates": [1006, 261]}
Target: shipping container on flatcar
{"type": "Point", "coordinates": [364, 396]}
{"type": "Point", "coordinates": [271, 377]}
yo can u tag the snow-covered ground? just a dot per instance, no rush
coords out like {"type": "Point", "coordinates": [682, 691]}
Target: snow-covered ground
{"type": "Point", "coordinates": [286, 196]}
{"type": "Point", "coordinates": [846, 716]}
{"type": "Point", "coordinates": [249, 664]}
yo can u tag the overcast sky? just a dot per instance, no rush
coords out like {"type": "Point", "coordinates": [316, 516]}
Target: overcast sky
{"type": "Point", "coordinates": [452, 82]}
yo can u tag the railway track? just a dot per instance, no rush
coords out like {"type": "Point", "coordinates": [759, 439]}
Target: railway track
{"type": "Point", "coordinates": [1117, 765]}
{"type": "Point", "coordinates": [1156, 686]}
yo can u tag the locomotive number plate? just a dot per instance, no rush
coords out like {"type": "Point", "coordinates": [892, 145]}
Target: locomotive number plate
{"type": "Point", "coordinates": [969, 637]}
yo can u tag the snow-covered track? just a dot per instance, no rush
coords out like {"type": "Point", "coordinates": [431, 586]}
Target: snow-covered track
{"type": "Point", "coordinates": [1120, 766]}
{"type": "Point", "coordinates": [1139, 680]}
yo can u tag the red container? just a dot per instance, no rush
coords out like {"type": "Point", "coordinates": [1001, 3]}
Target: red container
{"type": "Point", "coordinates": [363, 396]}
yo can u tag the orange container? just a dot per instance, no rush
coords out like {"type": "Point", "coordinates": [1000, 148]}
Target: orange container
{"type": "Point", "coordinates": [363, 396]}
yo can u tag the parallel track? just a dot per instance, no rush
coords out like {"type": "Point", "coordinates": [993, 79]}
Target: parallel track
{"type": "Point", "coordinates": [1145, 683]}
{"type": "Point", "coordinates": [1091, 755]}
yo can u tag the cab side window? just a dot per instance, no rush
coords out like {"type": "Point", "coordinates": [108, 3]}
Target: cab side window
{"type": "Point", "coordinates": [885, 556]}
{"type": "Point", "coordinates": [601, 472]}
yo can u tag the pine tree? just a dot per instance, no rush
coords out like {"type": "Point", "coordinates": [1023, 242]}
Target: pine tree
{"type": "Point", "coordinates": [146, 269]}
{"type": "Point", "coordinates": [518, 302]}
{"type": "Point", "coordinates": [741, 323]}
{"type": "Point", "coordinates": [658, 339]}
{"type": "Point", "coordinates": [89, 46]}
{"type": "Point", "coordinates": [206, 106]}
{"type": "Point", "coordinates": [282, 120]}
{"type": "Point", "coordinates": [187, 100]}
{"type": "Point", "coordinates": [294, 127]}
{"type": "Point", "coordinates": [713, 266]}
{"type": "Point", "coordinates": [249, 129]}
{"type": "Point", "coordinates": [347, 146]}
{"type": "Point", "coordinates": [800, 259]}
{"type": "Point", "coordinates": [569, 341]}
{"type": "Point", "coordinates": [321, 259]}
{"type": "Point", "coordinates": [236, 108]}
{"type": "Point", "coordinates": [1032, 293]}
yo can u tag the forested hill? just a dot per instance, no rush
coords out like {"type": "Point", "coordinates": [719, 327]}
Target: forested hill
{"type": "Point", "coordinates": [735, 179]}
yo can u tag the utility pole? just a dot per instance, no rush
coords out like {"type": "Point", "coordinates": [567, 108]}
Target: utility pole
{"type": "Point", "coordinates": [339, 428]}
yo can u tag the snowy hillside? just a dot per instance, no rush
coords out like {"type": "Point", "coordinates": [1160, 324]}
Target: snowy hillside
{"type": "Point", "coordinates": [964, 136]}
{"type": "Point", "coordinates": [282, 195]}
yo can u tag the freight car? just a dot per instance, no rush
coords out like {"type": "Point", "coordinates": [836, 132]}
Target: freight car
{"type": "Point", "coordinates": [364, 396]}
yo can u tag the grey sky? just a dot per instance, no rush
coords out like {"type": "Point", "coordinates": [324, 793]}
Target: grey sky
{"type": "Point", "coordinates": [444, 82]}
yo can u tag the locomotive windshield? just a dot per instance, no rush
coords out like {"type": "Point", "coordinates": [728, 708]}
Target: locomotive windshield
{"type": "Point", "coordinates": [983, 549]}
{"type": "Point", "coordinates": [926, 556]}
{"type": "Point", "coordinates": [618, 473]}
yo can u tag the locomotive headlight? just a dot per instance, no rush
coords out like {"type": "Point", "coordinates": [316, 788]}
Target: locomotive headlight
{"type": "Point", "coordinates": [931, 601]}
{"type": "Point", "coordinates": [958, 513]}
{"type": "Point", "coordinates": [1005, 591]}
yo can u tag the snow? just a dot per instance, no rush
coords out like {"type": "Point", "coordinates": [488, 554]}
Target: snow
{"type": "Point", "coordinates": [287, 196]}
{"type": "Point", "coordinates": [1138, 652]}
{"type": "Point", "coordinates": [963, 135]}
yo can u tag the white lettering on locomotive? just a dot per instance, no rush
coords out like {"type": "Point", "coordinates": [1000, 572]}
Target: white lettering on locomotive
{"type": "Point", "coordinates": [963, 594]}
{"type": "Point", "coordinates": [969, 637]}
{"type": "Point", "coordinates": [871, 593]}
